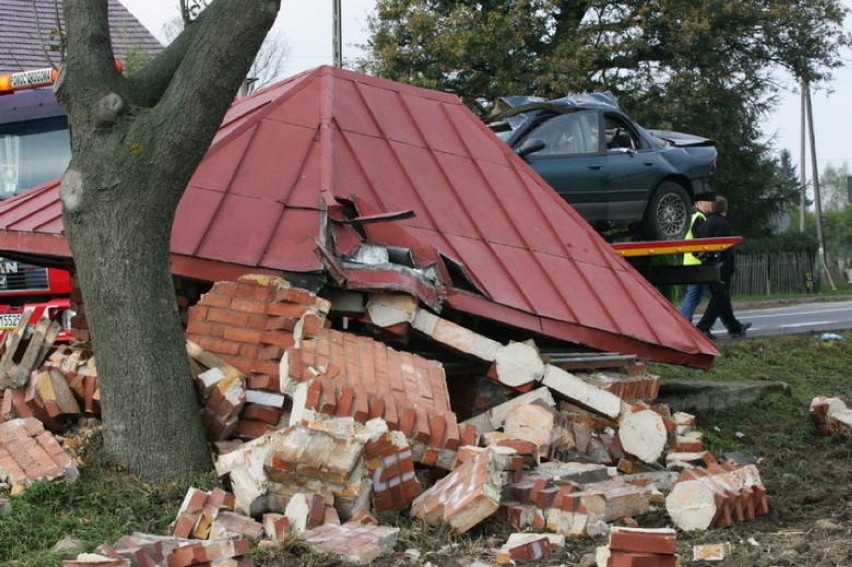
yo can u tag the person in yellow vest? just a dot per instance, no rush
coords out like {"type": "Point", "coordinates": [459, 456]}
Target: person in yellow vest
{"type": "Point", "coordinates": [695, 292]}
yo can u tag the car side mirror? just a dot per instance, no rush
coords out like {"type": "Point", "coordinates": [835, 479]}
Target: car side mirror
{"type": "Point", "coordinates": [529, 146]}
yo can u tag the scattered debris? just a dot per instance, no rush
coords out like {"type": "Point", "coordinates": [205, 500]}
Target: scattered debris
{"type": "Point", "coordinates": [638, 546]}
{"type": "Point", "coordinates": [711, 552]}
{"type": "Point", "coordinates": [30, 454]}
{"type": "Point", "coordinates": [529, 547]}
{"type": "Point", "coordinates": [716, 496]}
{"type": "Point", "coordinates": [316, 429]}
{"type": "Point", "coordinates": [832, 416]}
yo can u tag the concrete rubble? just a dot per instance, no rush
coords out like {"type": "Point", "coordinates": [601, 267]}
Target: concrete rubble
{"type": "Point", "coordinates": [316, 430]}
{"type": "Point", "coordinates": [832, 416]}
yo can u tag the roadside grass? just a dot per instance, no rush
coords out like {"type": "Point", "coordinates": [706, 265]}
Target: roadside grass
{"type": "Point", "coordinates": [103, 505]}
{"type": "Point", "coordinates": [807, 476]}
{"type": "Point", "coordinates": [811, 366]}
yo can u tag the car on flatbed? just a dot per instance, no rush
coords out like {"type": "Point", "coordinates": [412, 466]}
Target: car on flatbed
{"type": "Point", "coordinates": [615, 173]}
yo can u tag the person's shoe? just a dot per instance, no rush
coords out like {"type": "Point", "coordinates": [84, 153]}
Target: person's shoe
{"type": "Point", "coordinates": [742, 332]}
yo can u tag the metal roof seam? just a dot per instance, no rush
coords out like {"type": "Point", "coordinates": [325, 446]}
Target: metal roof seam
{"type": "Point", "coordinates": [499, 202]}
{"type": "Point", "coordinates": [431, 151]}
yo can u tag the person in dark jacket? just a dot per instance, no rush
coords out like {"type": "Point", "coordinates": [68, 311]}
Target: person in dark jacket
{"type": "Point", "coordinates": [716, 225]}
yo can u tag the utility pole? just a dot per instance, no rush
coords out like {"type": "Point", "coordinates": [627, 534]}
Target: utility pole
{"type": "Point", "coordinates": [822, 264]}
{"type": "Point", "coordinates": [803, 200]}
{"type": "Point", "coordinates": [337, 34]}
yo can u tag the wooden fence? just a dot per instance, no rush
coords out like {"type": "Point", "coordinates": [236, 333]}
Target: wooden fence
{"type": "Point", "coordinates": [777, 272]}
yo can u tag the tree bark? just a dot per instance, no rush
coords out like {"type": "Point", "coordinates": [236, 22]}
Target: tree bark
{"type": "Point", "coordinates": [135, 144]}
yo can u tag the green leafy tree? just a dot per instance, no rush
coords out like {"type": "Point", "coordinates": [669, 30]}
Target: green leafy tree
{"type": "Point", "coordinates": [833, 187]}
{"type": "Point", "coordinates": [703, 67]}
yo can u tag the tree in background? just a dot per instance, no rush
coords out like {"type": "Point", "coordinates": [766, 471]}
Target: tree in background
{"type": "Point", "coordinates": [700, 67]}
{"type": "Point", "coordinates": [833, 187]}
{"type": "Point", "coordinates": [836, 219]}
{"type": "Point", "coordinates": [136, 142]}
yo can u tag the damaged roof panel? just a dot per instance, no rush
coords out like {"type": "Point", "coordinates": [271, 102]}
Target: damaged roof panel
{"type": "Point", "coordinates": [330, 146]}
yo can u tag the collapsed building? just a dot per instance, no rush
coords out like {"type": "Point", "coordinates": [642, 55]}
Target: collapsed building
{"type": "Point", "coordinates": [404, 292]}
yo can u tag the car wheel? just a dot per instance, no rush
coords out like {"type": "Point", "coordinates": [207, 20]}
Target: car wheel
{"type": "Point", "coordinates": [667, 215]}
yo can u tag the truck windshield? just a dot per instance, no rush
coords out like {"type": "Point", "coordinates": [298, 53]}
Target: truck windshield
{"type": "Point", "coordinates": [32, 152]}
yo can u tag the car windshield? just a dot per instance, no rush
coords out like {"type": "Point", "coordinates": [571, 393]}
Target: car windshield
{"type": "Point", "coordinates": [571, 133]}
{"type": "Point", "coordinates": [506, 127]}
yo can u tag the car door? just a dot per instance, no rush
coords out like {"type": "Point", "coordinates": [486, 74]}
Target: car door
{"type": "Point", "coordinates": [572, 160]}
{"type": "Point", "coordinates": [633, 170]}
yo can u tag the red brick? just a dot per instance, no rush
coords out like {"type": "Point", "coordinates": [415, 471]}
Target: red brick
{"type": "Point", "coordinates": [438, 430]}
{"type": "Point", "coordinates": [226, 317]}
{"type": "Point", "coordinates": [328, 400]}
{"type": "Point", "coordinates": [632, 559]}
{"type": "Point", "coordinates": [469, 434]}
{"type": "Point", "coordinates": [199, 327]}
{"type": "Point", "coordinates": [361, 408]}
{"type": "Point", "coordinates": [316, 514]}
{"type": "Point", "coordinates": [377, 407]}
{"type": "Point", "coordinates": [291, 310]}
{"type": "Point", "coordinates": [252, 429]}
{"type": "Point", "coordinates": [643, 541]}
{"type": "Point", "coordinates": [257, 321]}
{"type": "Point", "coordinates": [421, 425]}
{"type": "Point", "coordinates": [314, 395]}
{"type": "Point", "coordinates": [279, 338]}
{"type": "Point", "coordinates": [271, 352]}
{"type": "Point", "coordinates": [391, 413]}
{"type": "Point", "coordinates": [264, 382]}
{"type": "Point", "coordinates": [345, 402]}
{"type": "Point", "coordinates": [407, 422]}
{"type": "Point", "coordinates": [262, 413]}
{"type": "Point", "coordinates": [281, 323]}
{"type": "Point", "coordinates": [243, 335]}
{"type": "Point", "coordinates": [311, 325]}
{"type": "Point", "coordinates": [295, 295]}
{"type": "Point", "coordinates": [249, 307]}
{"type": "Point", "coordinates": [213, 299]}
{"type": "Point", "coordinates": [218, 346]}
{"type": "Point", "coordinates": [265, 367]}
{"type": "Point", "coordinates": [250, 351]}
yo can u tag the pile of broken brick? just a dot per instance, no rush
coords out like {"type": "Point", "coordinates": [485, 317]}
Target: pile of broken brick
{"type": "Point", "coordinates": [318, 431]}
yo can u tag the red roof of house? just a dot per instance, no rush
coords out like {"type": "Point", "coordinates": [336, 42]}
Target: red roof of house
{"type": "Point", "coordinates": [305, 174]}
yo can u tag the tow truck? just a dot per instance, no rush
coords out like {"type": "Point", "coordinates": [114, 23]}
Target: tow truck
{"type": "Point", "coordinates": [638, 254]}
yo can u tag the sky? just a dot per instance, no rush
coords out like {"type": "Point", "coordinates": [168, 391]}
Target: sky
{"type": "Point", "coordinates": [306, 27]}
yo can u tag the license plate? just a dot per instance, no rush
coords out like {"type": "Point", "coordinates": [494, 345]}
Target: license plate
{"type": "Point", "coordinates": [9, 321]}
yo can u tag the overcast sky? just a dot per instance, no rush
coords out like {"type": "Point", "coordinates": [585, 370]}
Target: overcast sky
{"type": "Point", "coordinates": [307, 28]}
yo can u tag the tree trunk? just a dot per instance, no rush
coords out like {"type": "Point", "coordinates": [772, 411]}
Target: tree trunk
{"type": "Point", "coordinates": [135, 144]}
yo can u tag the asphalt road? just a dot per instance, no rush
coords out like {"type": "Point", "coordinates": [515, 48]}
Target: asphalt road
{"type": "Point", "coordinates": [789, 319]}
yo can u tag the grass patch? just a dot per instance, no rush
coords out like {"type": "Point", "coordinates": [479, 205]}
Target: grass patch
{"type": "Point", "coordinates": [103, 505]}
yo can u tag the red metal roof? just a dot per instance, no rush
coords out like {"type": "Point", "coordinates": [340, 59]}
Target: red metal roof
{"type": "Point", "coordinates": [306, 172]}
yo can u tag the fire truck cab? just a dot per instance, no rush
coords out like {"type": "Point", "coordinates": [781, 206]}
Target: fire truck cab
{"type": "Point", "coordinates": [35, 147]}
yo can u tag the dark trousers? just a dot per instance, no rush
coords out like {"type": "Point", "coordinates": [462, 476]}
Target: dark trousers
{"type": "Point", "coordinates": [720, 304]}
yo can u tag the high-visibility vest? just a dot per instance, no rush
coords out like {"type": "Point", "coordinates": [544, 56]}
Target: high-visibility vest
{"type": "Point", "coordinates": [689, 259]}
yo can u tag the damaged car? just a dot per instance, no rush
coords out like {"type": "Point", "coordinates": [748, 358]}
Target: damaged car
{"type": "Point", "coordinates": [615, 173]}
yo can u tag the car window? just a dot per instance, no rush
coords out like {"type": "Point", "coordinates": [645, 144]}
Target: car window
{"type": "Point", "coordinates": [619, 135]}
{"type": "Point", "coordinates": [572, 133]}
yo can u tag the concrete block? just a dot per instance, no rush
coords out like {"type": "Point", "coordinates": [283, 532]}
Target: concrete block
{"type": "Point", "coordinates": [466, 496]}
{"type": "Point", "coordinates": [577, 390]}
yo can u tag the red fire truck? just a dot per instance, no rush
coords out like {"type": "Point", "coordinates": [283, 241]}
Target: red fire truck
{"type": "Point", "coordinates": [34, 148]}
